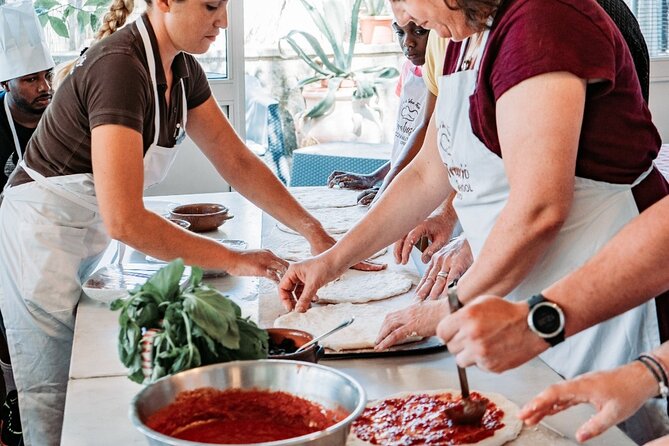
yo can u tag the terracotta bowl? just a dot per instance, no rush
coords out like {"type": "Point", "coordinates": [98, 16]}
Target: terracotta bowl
{"type": "Point", "coordinates": [202, 217]}
{"type": "Point", "coordinates": [284, 341]}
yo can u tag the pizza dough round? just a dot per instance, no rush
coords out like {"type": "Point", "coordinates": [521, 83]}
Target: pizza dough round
{"type": "Point", "coordinates": [318, 198]}
{"type": "Point", "coordinates": [362, 333]}
{"type": "Point", "coordinates": [510, 430]}
{"type": "Point", "coordinates": [299, 249]}
{"type": "Point", "coordinates": [360, 287]}
{"type": "Point", "coordinates": [334, 220]}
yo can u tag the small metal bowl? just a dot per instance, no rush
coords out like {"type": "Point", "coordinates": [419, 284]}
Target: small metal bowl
{"type": "Point", "coordinates": [183, 223]}
{"type": "Point", "coordinates": [323, 385]}
{"type": "Point", "coordinates": [202, 217]}
{"type": "Point", "coordinates": [298, 338]}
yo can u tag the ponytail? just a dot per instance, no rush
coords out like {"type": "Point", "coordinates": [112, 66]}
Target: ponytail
{"type": "Point", "coordinates": [114, 19]}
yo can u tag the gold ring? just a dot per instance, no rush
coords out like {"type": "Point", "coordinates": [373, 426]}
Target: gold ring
{"type": "Point", "coordinates": [443, 274]}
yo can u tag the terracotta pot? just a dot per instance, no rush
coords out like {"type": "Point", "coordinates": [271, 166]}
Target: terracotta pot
{"type": "Point", "coordinates": [350, 120]}
{"type": "Point", "coordinates": [201, 216]}
{"type": "Point", "coordinates": [296, 338]}
{"type": "Point", "coordinates": [376, 29]}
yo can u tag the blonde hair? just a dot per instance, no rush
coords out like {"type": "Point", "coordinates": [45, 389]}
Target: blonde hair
{"type": "Point", "coordinates": [115, 18]}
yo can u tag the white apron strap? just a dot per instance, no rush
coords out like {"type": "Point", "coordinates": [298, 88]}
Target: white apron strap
{"type": "Point", "coordinates": [17, 146]}
{"type": "Point", "coordinates": [151, 61]}
{"type": "Point", "coordinates": [61, 191]}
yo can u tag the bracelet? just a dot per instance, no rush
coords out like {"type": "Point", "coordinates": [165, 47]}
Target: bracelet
{"type": "Point", "coordinates": [658, 372]}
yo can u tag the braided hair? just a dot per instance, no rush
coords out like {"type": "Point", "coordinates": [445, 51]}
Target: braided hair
{"type": "Point", "coordinates": [115, 18]}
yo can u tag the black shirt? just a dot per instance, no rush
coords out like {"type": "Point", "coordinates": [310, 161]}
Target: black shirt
{"type": "Point", "coordinates": [9, 157]}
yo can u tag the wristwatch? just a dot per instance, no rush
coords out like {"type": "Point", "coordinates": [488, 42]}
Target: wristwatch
{"type": "Point", "coordinates": [546, 319]}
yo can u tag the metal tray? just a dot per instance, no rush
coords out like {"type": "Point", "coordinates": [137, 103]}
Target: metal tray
{"type": "Point", "coordinates": [432, 344]}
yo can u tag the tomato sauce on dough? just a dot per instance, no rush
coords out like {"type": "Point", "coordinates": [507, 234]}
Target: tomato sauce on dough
{"type": "Point", "coordinates": [422, 420]}
{"type": "Point", "coordinates": [235, 416]}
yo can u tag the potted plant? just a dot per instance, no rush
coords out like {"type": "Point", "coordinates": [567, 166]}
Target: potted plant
{"type": "Point", "coordinates": [335, 87]}
{"type": "Point", "coordinates": [57, 14]}
{"type": "Point", "coordinates": [375, 23]}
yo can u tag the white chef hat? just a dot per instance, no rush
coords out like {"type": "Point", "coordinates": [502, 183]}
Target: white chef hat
{"type": "Point", "coordinates": [23, 49]}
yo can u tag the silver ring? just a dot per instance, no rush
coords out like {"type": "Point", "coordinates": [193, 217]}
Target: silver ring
{"type": "Point", "coordinates": [443, 274]}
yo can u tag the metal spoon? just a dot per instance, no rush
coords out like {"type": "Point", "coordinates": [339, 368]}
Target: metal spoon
{"type": "Point", "coordinates": [325, 335]}
{"type": "Point", "coordinates": [469, 411]}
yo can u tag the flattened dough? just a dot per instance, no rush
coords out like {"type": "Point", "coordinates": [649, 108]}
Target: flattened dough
{"type": "Point", "coordinates": [326, 198]}
{"type": "Point", "coordinates": [360, 334]}
{"type": "Point", "coordinates": [511, 429]}
{"type": "Point", "coordinates": [298, 249]}
{"type": "Point", "coordinates": [334, 220]}
{"type": "Point", "coordinates": [359, 287]}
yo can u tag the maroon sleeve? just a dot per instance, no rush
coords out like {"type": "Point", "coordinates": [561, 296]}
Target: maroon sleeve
{"type": "Point", "coordinates": [543, 36]}
{"type": "Point", "coordinates": [116, 91]}
{"type": "Point", "coordinates": [197, 88]}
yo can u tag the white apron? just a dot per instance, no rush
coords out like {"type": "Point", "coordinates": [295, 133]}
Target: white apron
{"type": "Point", "coordinates": [599, 210]}
{"type": "Point", "coordinates": [411, 109]}
{"type": "Point", "coordinates": [51, 236]}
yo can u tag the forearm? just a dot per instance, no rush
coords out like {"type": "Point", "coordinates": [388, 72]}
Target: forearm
{"type": "Point", "coordinates": [520, 236]}
{"type": "Point", "coordinates": [403, 210]}
{"type": "Point", "coordinates": [628, 271]}
{"type": "Point", "coordinates": [149, 233]}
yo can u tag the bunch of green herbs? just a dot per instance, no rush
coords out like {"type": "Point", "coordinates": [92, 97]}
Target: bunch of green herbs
{"type": "Point", "coordinates": [196, 325]}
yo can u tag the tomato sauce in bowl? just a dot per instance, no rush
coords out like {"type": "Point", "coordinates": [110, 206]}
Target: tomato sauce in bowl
{"type": "Point", "coordinates": [236, 416]}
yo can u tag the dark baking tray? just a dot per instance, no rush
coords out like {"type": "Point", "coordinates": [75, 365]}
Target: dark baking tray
{"type": "Point", "coordinates": [432, 344]}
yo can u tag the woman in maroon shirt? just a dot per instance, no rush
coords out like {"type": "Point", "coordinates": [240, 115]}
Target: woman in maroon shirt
{"type": "Point", "coordinates": [542, 131]}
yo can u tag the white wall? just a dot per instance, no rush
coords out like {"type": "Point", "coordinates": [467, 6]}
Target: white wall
{"type": "Point", "coordinates": [659, 96]}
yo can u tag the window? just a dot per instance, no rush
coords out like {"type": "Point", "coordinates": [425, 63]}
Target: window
{"type": "Point", "coordinates": [653, 17]}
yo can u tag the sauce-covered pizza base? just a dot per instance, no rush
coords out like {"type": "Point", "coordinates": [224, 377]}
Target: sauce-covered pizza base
{"type": "Point", "coordinates": [419, 418]}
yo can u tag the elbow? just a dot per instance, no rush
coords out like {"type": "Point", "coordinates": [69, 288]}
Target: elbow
{"type": "Point", "coordinates": [547, 219]}
{"type": "Point", "coordinates": [120, 227]}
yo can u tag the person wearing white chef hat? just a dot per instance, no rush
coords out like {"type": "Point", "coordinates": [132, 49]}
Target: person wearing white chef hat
{"type": "Point", "coordinates": [25, 76]}
{"type": "Point", "coordinates": [26, 68]}
{"type": "Point", "coordinates": [113, 130]}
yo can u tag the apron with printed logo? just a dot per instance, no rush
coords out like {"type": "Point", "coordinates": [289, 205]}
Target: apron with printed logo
{"type": "Point", "coordinates": [411, 109]}
{"type": "Point", "coordinates": [599, 210]}
{"type": "Point", "coordinates": [59, 239]}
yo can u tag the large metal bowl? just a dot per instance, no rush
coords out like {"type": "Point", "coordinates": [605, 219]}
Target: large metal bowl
{"type": "Point", "coordinates": [323, 385]}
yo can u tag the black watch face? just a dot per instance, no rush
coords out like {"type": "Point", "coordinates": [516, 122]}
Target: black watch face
{"type": "Point", "coordinates": [546, 319]}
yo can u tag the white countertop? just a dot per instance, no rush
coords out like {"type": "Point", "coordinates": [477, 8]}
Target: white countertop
{"type": "Point", "coordinates": [99, 393]}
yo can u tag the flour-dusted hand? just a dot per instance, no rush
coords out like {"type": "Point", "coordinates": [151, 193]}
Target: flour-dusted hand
{"type": "Point", "coordinates": [435, 228]}
{"type": "Point", "coordinates": [258, 262]}
{"type": "Point", "coordinates": [367, 196]}
{"type": "Point", "coordinates": [615, 394]}
{"type": "Point", "coordinates": [447, 265]}
{"type": "Point", "coordinates": [350, 180]}
{"type": "Point", "coordinates": [298, 287]}
{"type": "Point", "coordinates": [491, 333]}
{"type": "Point", "coordinates": [416, 320]}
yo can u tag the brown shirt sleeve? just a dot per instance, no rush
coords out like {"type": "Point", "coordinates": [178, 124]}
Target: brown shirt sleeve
{"type": "Point", "coordinates": [117, 96]}
{"type": "Point", "coordinates": [197, 85]}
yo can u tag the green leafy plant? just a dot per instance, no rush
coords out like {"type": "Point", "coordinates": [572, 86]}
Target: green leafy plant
{"type": "Point", "coordinates": [56, 13]}
{"type": "Point", "coordinates": [375, 7]}
{"type": "Point", "coordinates": [336, 68]}
{"type": "Point", "coordinates": [195, 324]}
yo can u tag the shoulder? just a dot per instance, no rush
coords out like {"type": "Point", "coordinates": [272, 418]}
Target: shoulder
{"type": "Point", "coordinates": [197, 85]}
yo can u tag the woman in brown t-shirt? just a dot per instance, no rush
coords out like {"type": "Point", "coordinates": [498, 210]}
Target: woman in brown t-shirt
{"type": "Point", "coordinates": [110, 132]}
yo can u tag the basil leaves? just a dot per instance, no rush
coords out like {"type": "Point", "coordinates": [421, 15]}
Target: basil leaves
{"type": "Point", "coordinates": [194, 325]}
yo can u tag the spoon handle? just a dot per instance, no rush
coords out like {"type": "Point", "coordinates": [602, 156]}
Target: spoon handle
{"type": "Point", "coordinates": [318, 338]}
{"type": "Point", "coordinates": [454, 304]}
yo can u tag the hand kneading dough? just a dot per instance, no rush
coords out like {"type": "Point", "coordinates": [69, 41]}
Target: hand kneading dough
{"type": "Point", "coordinates": [360, 287]}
